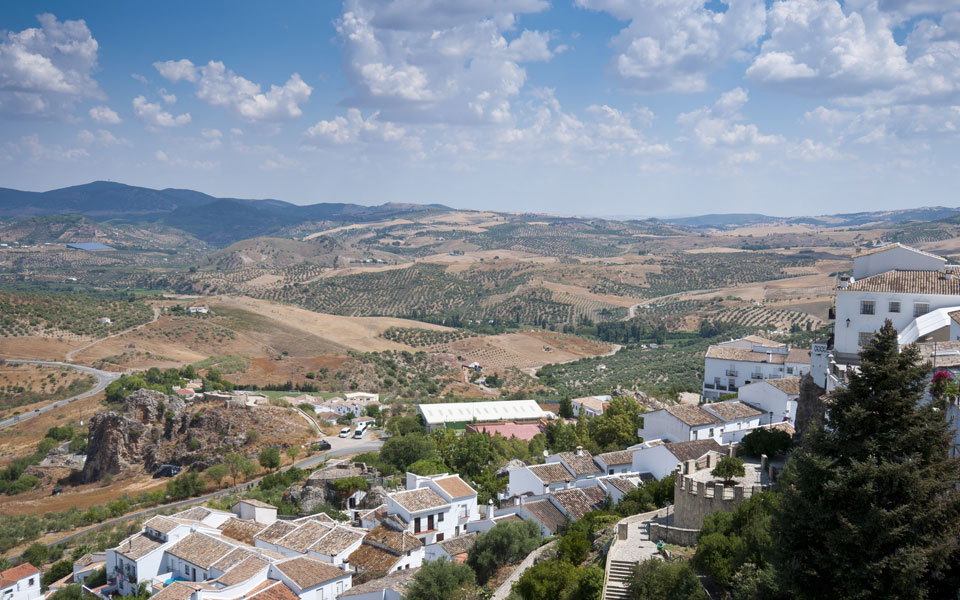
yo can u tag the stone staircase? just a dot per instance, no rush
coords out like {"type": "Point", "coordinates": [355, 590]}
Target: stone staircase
{"type": "Point", "coordinates": [618, 577]}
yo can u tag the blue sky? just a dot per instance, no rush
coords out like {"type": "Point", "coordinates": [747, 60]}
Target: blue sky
{"type": "Point", "coordinates": [591, 107]}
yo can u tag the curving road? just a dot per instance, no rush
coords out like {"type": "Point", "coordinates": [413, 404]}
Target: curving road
{"type": "Point", "coordinates": [156, 315]}
{"type": "Point", "coordinates": [104, 378]}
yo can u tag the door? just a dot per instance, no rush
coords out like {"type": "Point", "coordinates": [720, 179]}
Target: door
{"type": "Point", "coordinates": [430, 522]}
{"type": "Point", "coordinates": [416, 525]}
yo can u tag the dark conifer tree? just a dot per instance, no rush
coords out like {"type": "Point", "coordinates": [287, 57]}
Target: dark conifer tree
{"type": "Point", "coordinates": [870, 505]}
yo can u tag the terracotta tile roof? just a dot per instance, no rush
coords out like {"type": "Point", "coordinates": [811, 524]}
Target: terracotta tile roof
{"type": "Point", "coordinates": [305, 536]}
{"type": "Point", "coordinates": [174, 591]}
{"type": "Point", "coordinates": [137, 547]}
{"type": "Point", "coordinates": [595, 494]}
{"type": "Point", "coordinates": [788, 385]}
{"type": "Point", "coordinates": [760, 341]}
{"type": "Point", "coordinates": [417, 500]}
{"type": "Point", "coordinates": [460, 544]}
{"type": "Point", "coordinates": [161, 524]}
{"type": "Point", "coordinates": [378, 513]}
{"type": "Point", "coordinates": [308, 572]}
{"type": "Point", "coordinates": [546, 514]}
{"type": "Point", "coordinates": [197, 513]}
{"type": "Point", "coordinates": [799, 356]}
{"type": "Point", "coordinates": [693, 449]}
{"type": "Point", "coordinates": [15, 574]}
{"type": "Point", "coordinates": [396, 581]}
{"type": "Point", "coordinates": [242, 530]}
{"type": "Point", "coordinates": [621, 483]}
{"type": "Point", "coordinates": [391, 539]}
{"type": "Point", "coordinates": [456, 487]}
{"type": "Point", "coordinates": [243, 571]}
{"type": "Point", "coordinates": [232, 558]}
{"type": "Point", "coordinates": [886, 247]}
{"type": "Point", "coordinates": [275, 531]}
{"type": "Point", "coordinates": [200, 549]}
{"type": "Point", "coordinates": [551, 473]}
{"type": "Point", "coordinates": [908, 282]}
{"type": "Point", "coordinates": [581, 464]}
{"type": "Point", "coordinates": [744, 355]}
{"type": "Point", "coordinates": [323, 518]}
{"type": "Point", "coordinates": [89, 559]}
{"type": "Point", "coordinates": [693, 416]}
{"type": "Point", "coordinates": [277, 591]}
{"type": "Point", "coordinates": [574, 502]}
{"type": "Point", "coordinates": [594, 404]}
{"type": "Point", "coordinates": [337, 541]}
{"type": "Point", "coordinates": [256, 503]}
{"type": "Point", "coordinates": [373, 560]}
{"type": "Point", "coordinates": [732, 410]}
{"type": "Point", "coordinates": [619, 457]}
{"type": "Point", "coordinates": [510, 517]}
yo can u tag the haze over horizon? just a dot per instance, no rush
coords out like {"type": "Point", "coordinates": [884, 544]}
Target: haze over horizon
{"type": "Point", "coordinates": [587, 107]}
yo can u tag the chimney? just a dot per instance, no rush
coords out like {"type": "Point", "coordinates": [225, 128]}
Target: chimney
{"type": "Point", "coordinates": [948, 275]}
{"type": "Point", "coordinates": [731, 450]}
{"type": "Point", "coordinates": [763, 462]}
{"type": "Point", "coordinates": [711, 459]}
{"type": "Point", "coordinates": [579, 450]}
{"type": "Point", "coordinates": [844, 281]}
{"type": "Point", "coordinates": [490, 509]}
{"type": "Point", "coordinates": [691, 467]}
{"type": "Point", "coordinates": [769, 356]}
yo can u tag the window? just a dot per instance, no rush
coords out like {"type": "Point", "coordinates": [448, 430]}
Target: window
{"type": "Point", "coordinates": [711, 432]}
{"type": "Point", "coordinates": [30, 582]}
{"type": "Point", "coordinates": [440, 518]}
{"type": "Point", "coordinates": [641, 423]}
{"type": "Point", "coordinates": [463, 511]}
{"type": "Point", "coordinates": [610, 472]}
{"type": "Point", "coordinates": [865, 337]}
{"type": "Point", "coordinates": [439, 537]}
{"type": "Point", "coordinates": [867, 307]}
{"type": "Point", "coordinates": [416, 525]}
{"type": "Point", "coordinates": [920, 308]}
{"type": "Point", "coordinates": [789, 370]}
{"type": "Point", "coordinates": [894, 306]}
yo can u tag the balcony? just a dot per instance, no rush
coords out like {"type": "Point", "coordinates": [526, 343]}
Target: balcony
{"type": "Point", "coordinates": [732, 388]}
{"type": "Point", "coordinates": [722, 388]}
{"type": "Point", "coordinates": [731, 373]}
{"type": "Point", "coordinates": [757, 376]}
{"type": "Point", "coordinates": [708, 386]}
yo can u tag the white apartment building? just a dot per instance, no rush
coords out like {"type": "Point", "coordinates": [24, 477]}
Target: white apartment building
{"type": "Point", "coordinates": [917, 291]}
{"type": "Point", "coordinates": [730, 365]}
{"type": "Point", "coordinates": [537, 480]}
{"type": "Point", "coordinates": [775, 398]}
{"type": "Point", "coordinates": [20, 583]}
{"type": "Point", "coordinates": [590, 406]}
{"type": "Point", "coordinates": [434, 508]}
{"type": "Point", "coordinates": [659, 459]}
{"type": "Point", "coordinates": [724, 422]}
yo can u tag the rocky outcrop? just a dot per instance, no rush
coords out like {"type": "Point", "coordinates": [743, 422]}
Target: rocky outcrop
{"type": "Point", "coordinates": [319, 488]}
{"type": "Point", "coordinates": [153, 428]}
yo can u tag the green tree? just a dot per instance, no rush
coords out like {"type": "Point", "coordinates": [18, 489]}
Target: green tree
{"type": "Point", "coordinates": [36, 554]}
{"type": "Point", "coordinates": [428, 466]}
{"type": "Point", "coordinates": [547, 580]}
{"type": "Point", "coordinates": [764, 440]}
{"type": "Point", "coordinates": [870, 504]}
{"type": "Point", "coordinates": [71, 592]}
{"type": "Point", "coordinates": [237, 464]}
{"type": "Point", "coordinates": [185, 486]}
{"type": "Point", "coordinates": [471, 454]}
{"type": "Point", "coordinates": [269, 458]}
{"type": "Point", "coordinates": [403, 451]}
{"type": "Point", "coordinates": [56, 572]}
{"type": "Point", "coordinates": [566, 408]}
{"type": "Point", "coordinates": [439, 580]}
{"type": "Point", "coordinates": [504, 543]}
{"type": "Point", "coordinates": [293, 452]}
{"type": "Point", "coordinates": [729, 468]}
{"type": "Point", "coordinates": [216, 473]}
{"type": "Point", "coordinates": [654, 579]}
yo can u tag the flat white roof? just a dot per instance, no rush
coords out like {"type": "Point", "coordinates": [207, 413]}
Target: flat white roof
{"type": "Point", "coordinates": [498, 410]}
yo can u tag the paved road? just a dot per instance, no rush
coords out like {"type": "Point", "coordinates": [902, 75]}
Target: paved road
{"type": "Point", "coordinates": [104, 378]}
{"type": "Point", "coordinates": [339, 447]}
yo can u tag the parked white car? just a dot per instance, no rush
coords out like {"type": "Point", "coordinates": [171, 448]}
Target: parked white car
{"type": "Point", "coordinates": [345, 432]}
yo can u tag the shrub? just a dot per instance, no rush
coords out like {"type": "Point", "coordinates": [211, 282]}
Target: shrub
{"type": "Point", "coordinates": [728, 469]}
{"type": "Point", "coordinates": [764, 440]}
{"type": "Point", "coordinates": [439, 580]}
{"type": "Point", "coordinates": [654, 579]}
{"type": "Point", "coordinates": [505, 543]}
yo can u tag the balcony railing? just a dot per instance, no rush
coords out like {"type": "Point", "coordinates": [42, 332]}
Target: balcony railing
{"type": "Point", "coordinates": [722, 388]}
{"type": "Point", "coordinates": [757, 376]}
{"type": "Point", "coordinates": [731, 373]}
{"type": "Point", "coordinates": [708, 386]}
{"type": "Point", "coordinates": [732, 388]}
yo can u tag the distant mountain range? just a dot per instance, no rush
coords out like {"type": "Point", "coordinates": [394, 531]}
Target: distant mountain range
{"type": "Point", "coordinates": [223, 221]}
{"type": "Point", "coordinates": [733, 220]}
{"type": "Point", "coordinates": [218, 221]}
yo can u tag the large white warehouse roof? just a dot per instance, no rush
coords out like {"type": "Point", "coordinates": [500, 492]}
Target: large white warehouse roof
{"type": "Point", "coordinates": [499, 410]}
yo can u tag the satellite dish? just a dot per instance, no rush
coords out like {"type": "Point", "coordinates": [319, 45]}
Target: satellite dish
{"type": "Point", "coordinates": [546, 454]}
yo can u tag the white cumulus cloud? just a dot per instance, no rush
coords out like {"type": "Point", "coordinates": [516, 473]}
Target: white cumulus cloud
{"type": "Point", "coordinates": [154, 117]}
{"type": "Point", "coordinates": [105, 115]}
{"type": "Point", "coordinates": [218, 86]}
{"type": "Point", "coordinates": [674, 45]}
{"type": "Point", "coordinates": [44, 71]}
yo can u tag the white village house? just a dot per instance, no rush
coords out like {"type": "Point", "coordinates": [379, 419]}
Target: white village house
{"type": "Point", "coordinates": [730, 365]}
{"type": "Point", "coordinates": [776, 398]}
{"type": "Point", "coordinates": [20, 583]}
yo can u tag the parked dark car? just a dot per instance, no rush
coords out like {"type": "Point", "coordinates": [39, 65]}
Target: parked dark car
{"type": "Point", "coordinates": [57, 491]}
{"type": "Point", "coordinates": [167, 471]}
{"type": "Point", "coordinates": [321, 445]}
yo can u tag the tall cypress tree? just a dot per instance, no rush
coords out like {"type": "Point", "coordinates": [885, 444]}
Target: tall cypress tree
{"type": "Point", "coordinates": [870, 505]}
